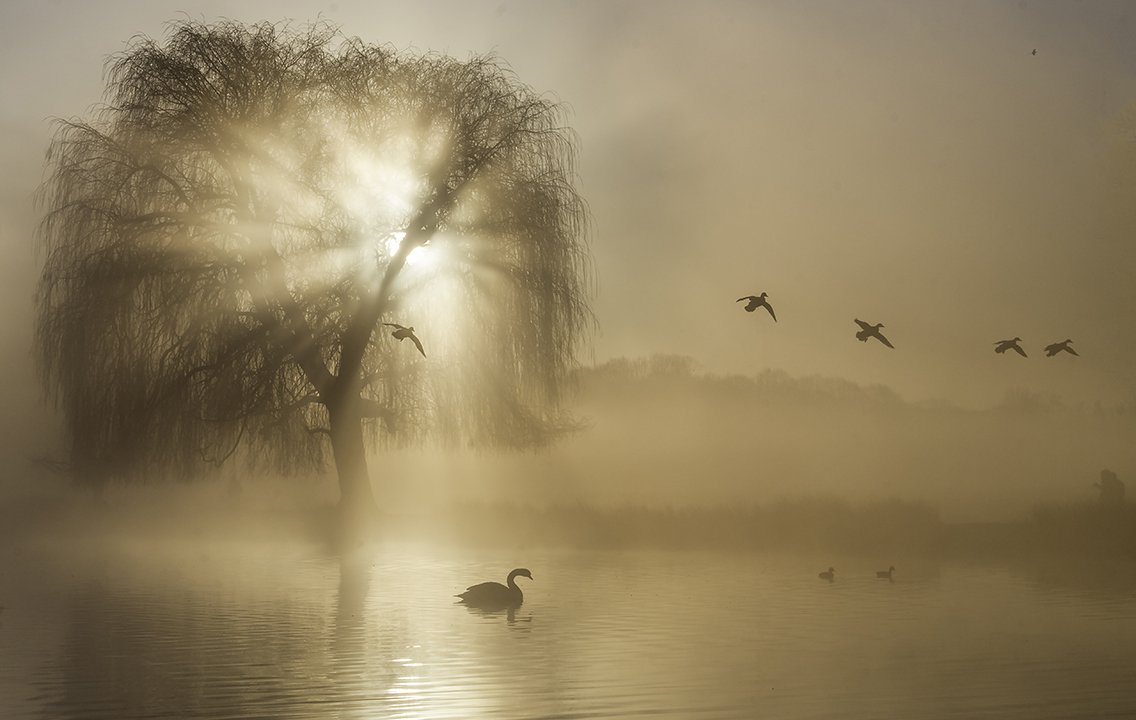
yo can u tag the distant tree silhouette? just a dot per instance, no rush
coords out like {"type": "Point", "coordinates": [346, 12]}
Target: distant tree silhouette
{"type": "Point", "coordinates": [1111, 489]}
{"type": "Point", "coordinates": [222, 239]}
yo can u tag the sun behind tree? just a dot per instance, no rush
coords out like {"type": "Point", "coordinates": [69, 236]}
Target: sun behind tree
{"type": "Point", "coordinates": [224, 238]}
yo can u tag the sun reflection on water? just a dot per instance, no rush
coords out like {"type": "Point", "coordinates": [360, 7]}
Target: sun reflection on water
{"type": "Point", "coordinates": [273, 634]}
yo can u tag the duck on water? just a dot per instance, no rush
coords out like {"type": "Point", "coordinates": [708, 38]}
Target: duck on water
{"type": "Point", "coordinates": [491, 595]}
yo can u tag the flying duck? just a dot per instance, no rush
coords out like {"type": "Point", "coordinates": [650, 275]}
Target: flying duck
{"type": "Point", "coordinates": [867, 331]}
{"type": "Point", "coordinates": [1051, 350]}
{"type": "Point", "coordinates": [756, 301]}
{"type": "Point", "coordinates": [1003, 345]}
{"type": "Point", "coordinates": [401, 333]}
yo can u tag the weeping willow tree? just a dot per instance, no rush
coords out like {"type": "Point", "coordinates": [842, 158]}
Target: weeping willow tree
{"type": "Point", "coordinates": [224, 239]}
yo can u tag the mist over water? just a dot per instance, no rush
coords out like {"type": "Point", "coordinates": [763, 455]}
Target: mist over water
{"type": "Point", "coordinates": [675, 542]}
{"type": "Point", "coordinates": [244, 629]}
{"type": "Point", "coordinates": [671, 576]}
{"type": "Point", "coordinates": [659, 441]}
{"type": "Point", "coordinates": [660, 432]}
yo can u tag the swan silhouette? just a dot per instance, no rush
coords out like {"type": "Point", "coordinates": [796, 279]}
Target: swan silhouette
{"type": "Point", "coordinates": [828, 575]}
{"type": "Point", "coordinates": [1051, 350]}
{"type": "Point", "coordinates": [1003, 345]}
{"type": "Point", "coordinates": [401, 333]}
{"type": "Point", "coordinates": [886, 573]}
{"type": "Point", "coordinates": [495, 595]}
{"type": "Point", "coordinates": [756, 301]}
{"type": "Point", "coordinates": [867, 331]}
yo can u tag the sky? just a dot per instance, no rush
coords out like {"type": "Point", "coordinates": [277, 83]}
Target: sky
{"type": "Point", "coordinates": [910, 163]}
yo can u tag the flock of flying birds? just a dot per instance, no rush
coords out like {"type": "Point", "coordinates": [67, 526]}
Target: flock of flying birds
{"type": "Point", "coordinates": [753, 302]}
{"type": "Point", "coordinates": [868, 330]}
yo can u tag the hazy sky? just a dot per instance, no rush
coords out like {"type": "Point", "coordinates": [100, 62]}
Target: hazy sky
{"type": "Point", "coordinates": [906, 163]}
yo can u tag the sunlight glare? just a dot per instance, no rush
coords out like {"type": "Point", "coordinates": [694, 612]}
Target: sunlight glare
{"type": "Point", "coordinates": [387, 189]}
{"type": "Point", "coordinates": [421, 256]}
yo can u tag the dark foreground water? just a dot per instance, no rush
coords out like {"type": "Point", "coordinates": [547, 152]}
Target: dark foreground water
{"type": "Point", "coordinates": [258, 631]}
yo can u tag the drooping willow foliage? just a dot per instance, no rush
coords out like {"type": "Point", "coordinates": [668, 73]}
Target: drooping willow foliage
{"type": "Point", "coordinates": [224, 238]}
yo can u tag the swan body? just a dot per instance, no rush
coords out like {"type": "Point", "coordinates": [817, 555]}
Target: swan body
{"type": "Point", "coordinates": [868, 330]}
{"type": "Point", "coordinates": [828, 575]}
{"type": "Point", "coordinates": [494, 594]}
{"type": "Point", "coordinates": [753, 302]}
{"type": "Point", "coordinates": [1003, 345]}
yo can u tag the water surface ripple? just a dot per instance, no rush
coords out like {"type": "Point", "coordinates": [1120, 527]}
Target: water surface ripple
{"type": "Point", "coordinates": [259, 633]}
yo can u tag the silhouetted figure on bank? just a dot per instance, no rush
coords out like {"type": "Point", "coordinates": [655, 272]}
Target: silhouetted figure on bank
{"type": "Point", "coordinates": [756, 301]}
{"type": "Point", "coordinates": [870, 331]}
{"type": "Point", "coordinates": [494, 595]}
{"type": "Point", "coordinates": [1051, 350]}
{"type": "Point", "coordinates": [829, 575]}
{"type": "Point", "coordinates": [1111, 489]}
{"type": "Point", "coordinates": [1003, 345]}
{"type": "Point", "coordinates": [889, 573]}
{"type": "Point", "coordinates": [401, 333]}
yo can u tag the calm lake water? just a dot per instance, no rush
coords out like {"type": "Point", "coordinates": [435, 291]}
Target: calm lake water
{"type": "Point", "coordinates": [258, 631]}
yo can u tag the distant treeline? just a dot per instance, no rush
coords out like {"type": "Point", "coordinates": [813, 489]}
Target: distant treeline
{"type": "Point", "coordinates": [815, 525]}
{"type": "Point", "coordinates": [663, 431]}
{"type": "Point", "coordinates": [678, 372]}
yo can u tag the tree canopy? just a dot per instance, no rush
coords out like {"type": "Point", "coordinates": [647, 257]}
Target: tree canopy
{"type": "Point", "coordinates": [224, 238]}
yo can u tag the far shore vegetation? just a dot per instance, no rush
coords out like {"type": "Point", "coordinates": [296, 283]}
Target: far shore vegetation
{"type": "Point", "coordinates": [889, 530]}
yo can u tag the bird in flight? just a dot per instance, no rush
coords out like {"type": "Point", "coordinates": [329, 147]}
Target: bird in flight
{"type": "Point", "coordinates": [1003, 345]}
{"type": "Point", "coordinates": [1034, 52]}
{"type": "Point", "coordinates": [1051, 350]}
{"type": "Point", "coordinates": [756, 301]}
{"type": "Point", "coordinates": [867, 331]}
{"type": "Point", "coordinates": [401, 333]}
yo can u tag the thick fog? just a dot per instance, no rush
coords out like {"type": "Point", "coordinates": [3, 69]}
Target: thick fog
{"type": "Point", "coordinates": [748, 514]}
{"type": "Point", "coordinates": [922, 168]}
{"type": "Point", "coordinates": [660, 432]}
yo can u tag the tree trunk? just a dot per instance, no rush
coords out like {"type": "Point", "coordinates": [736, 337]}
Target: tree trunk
{"type": "Point", "coordinates": [357, 509]}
